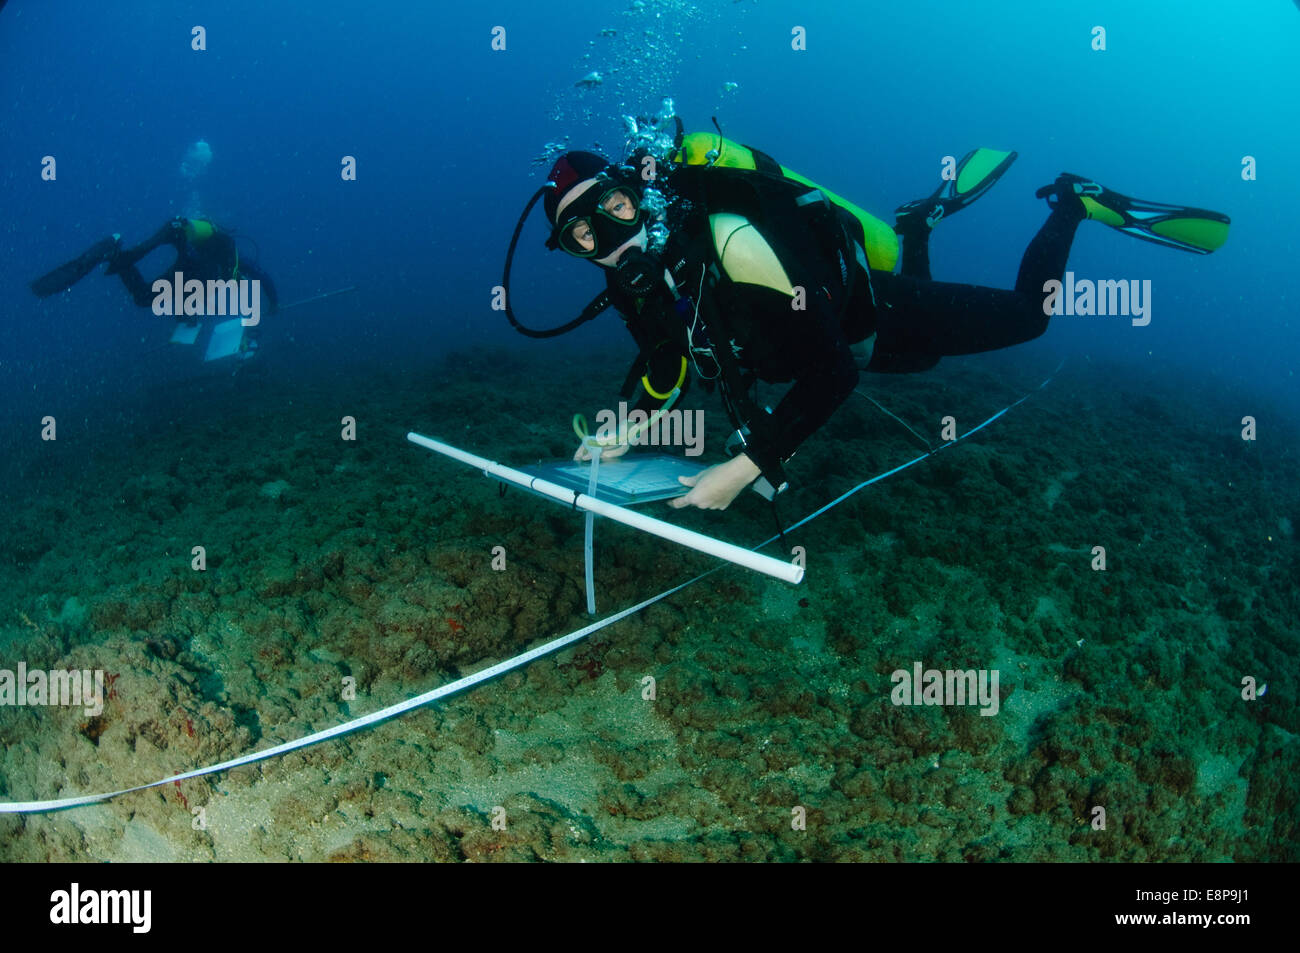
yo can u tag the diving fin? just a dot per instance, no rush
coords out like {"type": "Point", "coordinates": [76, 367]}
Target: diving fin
{"type": "Point", "coordinates": [1195, 230]}
{"type": "Point", "coordinates": [67, 275]}
{"type": "Point", "coordinates": [976, 173]}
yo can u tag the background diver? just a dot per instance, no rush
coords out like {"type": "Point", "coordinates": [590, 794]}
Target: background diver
{"type": "Point", "coordinates": [203, 252]}
{"type": "Point", "coordinates": [798, 284]}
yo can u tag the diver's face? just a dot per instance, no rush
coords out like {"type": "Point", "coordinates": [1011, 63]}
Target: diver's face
{"type": "Point", "coordinates": [616, 204]}
{"type": "Point", "coordinates": [580, 237]}
{"type": "Point", "coordinates": [620, 204]}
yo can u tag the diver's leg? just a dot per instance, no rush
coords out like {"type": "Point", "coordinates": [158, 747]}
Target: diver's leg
{"type": "Point", "coordinates": [1046, 253]}
{"type": "Point", "coordinates": [124, 263]}
{"type": "Point", "coordinates": [918, 319]}
{"type": "Point", "coordinates": [170, 234]}
{"type": "Point", "coordinates": [932, 319]}
{"type": "Point", "coordinates": [915, 317]}
{"type": "Point", "coordinates": [1044, 258]}
{"type": "Point", "coordinates": [915, 258]}
{"type": "Point", "coordinates": [974, 175]}
{"type": "Point", "coordinates": [140, 290]}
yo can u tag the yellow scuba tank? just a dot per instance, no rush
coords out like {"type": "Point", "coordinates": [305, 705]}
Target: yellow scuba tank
{"type": "Point", "coordinates": [708, 148]}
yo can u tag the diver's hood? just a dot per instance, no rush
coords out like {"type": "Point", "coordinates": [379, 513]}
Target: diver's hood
{"type": "Point", "coordinates": [570, 169]}
{"type": "Point", "coordinates": [609, 233]}
{"type": "Point", "coordinates": [605, 208]}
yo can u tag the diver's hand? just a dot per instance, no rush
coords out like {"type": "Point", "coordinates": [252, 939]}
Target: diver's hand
{"type": "Point", "coordinates": [716, 487]}
{"type": "Point", "coordinates": [582, 455]}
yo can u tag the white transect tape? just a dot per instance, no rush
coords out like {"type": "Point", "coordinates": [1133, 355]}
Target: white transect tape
{"type": "Point", "coordinates": [518, 661]}
{"type": "Point", "coordinates": [392, 711]}
{"type": "Point", "coordinates": [589, 533]}
{"type": "Point", "coordinates": [778, 568]}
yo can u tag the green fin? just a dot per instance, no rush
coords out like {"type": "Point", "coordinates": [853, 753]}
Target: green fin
{"type": "Point", "coordinates": [1196, 230]}
{"type": "Point", "coordinates": [976, 173]}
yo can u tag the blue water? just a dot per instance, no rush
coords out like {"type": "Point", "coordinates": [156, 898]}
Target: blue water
{"type": "Point", "coordinates": [446, 133]}
{"type": "Point", "coordinates": [443, 129]}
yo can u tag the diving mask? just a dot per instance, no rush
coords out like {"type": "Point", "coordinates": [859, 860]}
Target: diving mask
{"type": "Point", "coordinates": [601, 220]}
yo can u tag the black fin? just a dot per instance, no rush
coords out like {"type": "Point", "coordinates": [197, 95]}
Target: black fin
{"type": "Point", "coordinates": [67, 275]}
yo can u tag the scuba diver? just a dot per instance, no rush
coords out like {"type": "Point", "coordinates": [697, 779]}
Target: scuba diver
{"type": "Point", "coordinates": [203, 252]}
{"type": "Point", "coordinates": [723, 261]}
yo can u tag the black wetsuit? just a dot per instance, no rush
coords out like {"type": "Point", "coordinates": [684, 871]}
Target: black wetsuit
{"type": "Point", "coordinates": [916, 321]}
{"type": "Point", "coordinates": [213, 258]}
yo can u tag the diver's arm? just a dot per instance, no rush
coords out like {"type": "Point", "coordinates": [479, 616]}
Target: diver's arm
{"type": "Point", "coordinates": [716, 487]}
{"type": "Point", "coordinates": [772, 441]}
{"type": "Point", "coordinates": [172, 233]}
{"type": "Point", "coordinates": [252, 270]}
{"type": "Point", "coordinates": [659, 369]}
{"type": "Point", "coordinates": [825, 374]}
